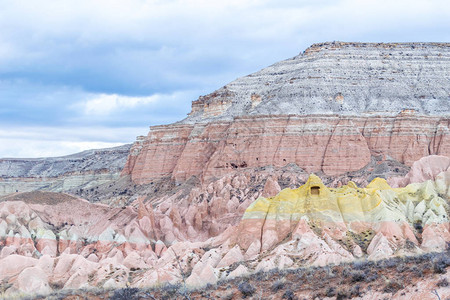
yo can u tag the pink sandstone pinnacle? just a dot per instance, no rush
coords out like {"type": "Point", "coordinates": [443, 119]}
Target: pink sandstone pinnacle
{"type": "Point", "coordinates": [426, 168]}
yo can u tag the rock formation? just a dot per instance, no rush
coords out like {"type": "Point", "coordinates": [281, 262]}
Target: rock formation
{"type": "Point", "coordinates": [346, 102]}
{"type": "Point", "coordinates": [339, 78]}
{"type": "Point", "coordinates": [334, 145]}
{"type": "Point", "coordinates": [427, 168]}
{"type": "Point", "coordinates": [333, 110]}
{"type": "Point", "coordinates": [84, 170]}
{"type": "Point", "coordinates": [379, 210]}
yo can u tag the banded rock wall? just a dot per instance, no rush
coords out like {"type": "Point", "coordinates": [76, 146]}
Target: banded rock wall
{"type": "Point", "coordinates": [317, 143]}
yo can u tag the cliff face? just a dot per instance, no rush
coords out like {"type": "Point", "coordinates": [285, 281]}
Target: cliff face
{"type": "Point", "coordinates": [326, 110]}
{"type": "Point", "coordinates": [378, 207]}
{"type": "Point", "coordinates": [330, 109]}
{"type": "Point", "coordinates": [333, 145]}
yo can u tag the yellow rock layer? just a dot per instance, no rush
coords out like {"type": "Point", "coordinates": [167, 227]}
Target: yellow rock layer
{"type": "Point", "coordinates": [377, 202]}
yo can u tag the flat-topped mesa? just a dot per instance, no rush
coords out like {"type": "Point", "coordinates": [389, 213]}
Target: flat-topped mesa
{"type": "Point", "coordinates": [338, 45]}
{"type": "Point", "coordinates": [339, 78]}
{"type": "Point", "coordinates": [329, 109]}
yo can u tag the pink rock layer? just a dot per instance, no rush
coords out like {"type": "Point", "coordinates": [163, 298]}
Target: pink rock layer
{"type": "Point", "coordinates": [427, 168]}
{"type": "Point", "coordinates": [329, 143]}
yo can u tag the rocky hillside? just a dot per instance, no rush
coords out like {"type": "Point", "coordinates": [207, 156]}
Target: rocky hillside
{"type": "Point", "coordinates": [345, 111]}
{"type": "Point", "coordinates": [330, 110]}
{"type": "Point", "coordinates": [50, 241]}
{"type": "Point", "coordinates": [86, 170]}
{"type": "Point", "coordinates": [339, 78]}
{"type": "Point", "coordinates": [428, 278]}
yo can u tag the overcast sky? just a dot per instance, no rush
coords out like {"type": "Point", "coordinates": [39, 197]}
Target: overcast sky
{"type": "Point", "coordinates": [84, 74]}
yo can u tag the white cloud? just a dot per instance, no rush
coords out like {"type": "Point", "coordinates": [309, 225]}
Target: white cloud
{"type": "Point", "coordinates": [173, 106]}
{"type": "Point", "coordinates": [78, 134]}
{"type": "Point", "coordinates": [33, 142]}
{"type": "Point", "coordinates": [25, 148]}
{"type": "Point", "coordinates": [105, 104]}
{"type": "Point", "coordinates": [198, 21]}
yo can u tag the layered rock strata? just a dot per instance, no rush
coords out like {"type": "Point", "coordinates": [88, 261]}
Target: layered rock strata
{"type": "Point", "coordinates": [84, 170]}
{"type": "Point", "coordinates": [339, 78]}
{"type": "Point", "coordinates": [399, 215]}
{"type": "Point", "coordinates": [346, 102]}
{"type": "Point", "coordinates": [333, 145]}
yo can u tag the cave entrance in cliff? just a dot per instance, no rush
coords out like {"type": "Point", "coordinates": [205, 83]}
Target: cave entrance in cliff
{"type": "Point", "coordinates": [315, 190]}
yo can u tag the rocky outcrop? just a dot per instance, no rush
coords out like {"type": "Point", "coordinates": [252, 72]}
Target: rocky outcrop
{"type": "Point", "coordinates": [350, 215]}
{"type": "Point", "coordinates": [84, 170]}
{"type": "Point", "coordinates": [343, 114]}
{"type": "Point", "coordinates": [333, 145]}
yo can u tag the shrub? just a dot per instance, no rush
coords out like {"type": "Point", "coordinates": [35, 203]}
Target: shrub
{"type": "Point", "coordinates": [357, 276]}
{"type": "Point", "coordinates": [355, 291]}
{"type": "Point", "coordinates": [442, 283]}
{"type": "Point", "coordinates": [330, 292]}
{"type": "Point", "coordinates": [260, 276]}
{"type": "Point", "coordinates": [360, 265]}
{"type": "Point", "coordinates": [278, 285]}
{"type": "Point", "coordinates": [388, 263]}
{"type": "Point", "coordinates": [124, 294]}
{"type": "Point", "coordinates": [169, 290]}
{"type": "Point", "coordinates": [300, 272]}
{"type": "Point", "coordinates": [346, 272]}
{"type": "Point", "coordinates": [441, 263]}
{"type": "Point", "coordinates": [401, 268]}
{"type": "Point", "coordinates": [342, 294]}
{"type": "Point", "coordinates": [289, 295]}
{"type": "Point", "coordinates": [246, 289]}
{"type": "Point", "coordinates": [371, 277]}
{"type": "Point", "coordinates": [392, 286]}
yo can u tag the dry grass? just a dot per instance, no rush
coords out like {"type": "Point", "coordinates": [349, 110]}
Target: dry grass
{"type": "Point", "coordinates": [343, 281]}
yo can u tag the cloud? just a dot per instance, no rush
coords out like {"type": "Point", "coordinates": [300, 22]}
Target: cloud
{"type": "Point", "coordinates": [148, 47]}
{"type": "Point", "coordinates": [111, 64]}
{"type": "Point", "coordinates": [57, 141]}
{"type": "Point", "coordinates": [24, 103]}
{"type": "Point", "coordinates": [105, 104]}
{"type": "Point", "coordinates": [26, 148]}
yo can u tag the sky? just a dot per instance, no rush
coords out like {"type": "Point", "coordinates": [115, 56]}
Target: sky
{"type": "Point", "coordinates": [84, 74]}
